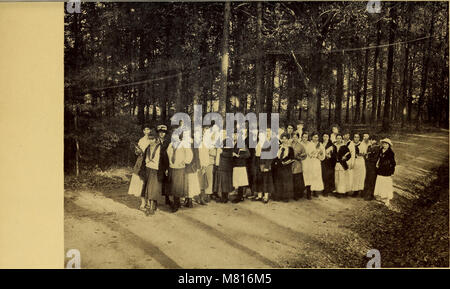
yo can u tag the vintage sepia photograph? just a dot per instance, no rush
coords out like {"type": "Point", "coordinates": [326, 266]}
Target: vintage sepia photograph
{"type": "Point", "coordinates": [251, 135]}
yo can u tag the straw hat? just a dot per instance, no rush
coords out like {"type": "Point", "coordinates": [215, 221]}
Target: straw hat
{"type": "Point", "coordinates": [388, 141]}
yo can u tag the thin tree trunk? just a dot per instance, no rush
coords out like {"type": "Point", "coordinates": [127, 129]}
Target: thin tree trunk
{"type": "Point", "coordinates": [349, 85]}
{"type": "Point", "coordinates": [259, 64]}
{"type": "Point", "coordinates": [423, 84]}
{"type": "Point", "coordinates": [357, 110]}
{"type": "Point", "coordinates": [390, 63]}
{"type": "Point", "coordinates": [375, 74]}
{"type": "Point", "coordinates": [366, 71]}
{"type": "Point", "coordinates": [224, 60]}
{"type": "Point", "coordinates": [405, 69]}
{"type": "Point", "coordinates": [339, 93]}
{"type": "Point", "coordinates": [380, 85]}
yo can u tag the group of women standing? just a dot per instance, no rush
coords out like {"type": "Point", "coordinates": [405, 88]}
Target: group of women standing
{"type": "Point", "coordinates": [305, 165]}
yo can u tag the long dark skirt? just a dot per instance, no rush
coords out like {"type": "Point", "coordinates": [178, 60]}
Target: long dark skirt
{"type": "Point", "coordinates": [298, 185]}
{"type": "Point", "coordinates": [153, 188]}
{"type": "Point", "coordinates": [264, 182]}
{"type": "Point", "coordinates": [369, 182]}
{"type": "Point", "coordinates": [178, 183]}
{"type": "Point", "coordinates": [283, 182]}
{"type": "Point", "coordinates": [223, 181]}
{"type": "Point", "coordinates": [328, 177]}
{"type": "Point", "coordinates": [252, 172]}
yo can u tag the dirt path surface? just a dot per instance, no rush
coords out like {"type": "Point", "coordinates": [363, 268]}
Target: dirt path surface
{"type": "Point", "coordinates": [110, 233]}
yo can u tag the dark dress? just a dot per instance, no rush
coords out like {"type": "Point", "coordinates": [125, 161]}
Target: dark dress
{"type": "Point", "coordinates": [140, 170]}
{"type": "Point", "coordinates": [264, 179]}
{"type": "Point", "coordinates": [223, 181]}
{"type": "Point", "coordinates": [386, 163]}
{"type": "Point", "coordinates": [373, 152]}
{"type": "Point", "coordinates": [328, 166]}
{"type": "Point", "coordinates": [153, 185]}
{"type": "Point", "coordinates": [252, 167]}
{"type": "Point", "coordinates": [283, 175]}
{"type": "Point", "coordinates": [164, 166]}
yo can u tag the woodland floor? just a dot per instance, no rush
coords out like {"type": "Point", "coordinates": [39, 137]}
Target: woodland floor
{"type": "Point", "coordinates": [102, 221]}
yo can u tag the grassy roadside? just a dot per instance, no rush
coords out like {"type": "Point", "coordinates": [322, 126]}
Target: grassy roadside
{"type": "Point", "coordinates": [416, 237]}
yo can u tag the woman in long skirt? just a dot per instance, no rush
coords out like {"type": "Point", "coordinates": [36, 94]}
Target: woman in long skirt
{"type": "Point", "coordinates": [351, 162]}
{"type": "Point", "coordinates": [306, 166]}
{"type": "Point", "coordinates": [223, 182]}
{"type": "Point", "coordinates": [373, 152]}
{"type": "Point", "coordinates": [342, 165]}
{"type": "Point", "coordinates": [180, 154]}
{"type": "Point", "coordinates": [139, 176]}
{"type": "Point", "coordinates": [283, 170]}
{"type": "Point", "coordinates": [153, 187]}
{"type": "Point", "coordinates": [297, 168]}
{"type": "Point", "coordinates": [384, 189]}
{"type": "Point", "coordinates": [192, 174]}
{"type": "Point", "coordinates": [328, 165]}
{"type": "Point", "coordinates": [265, 177]}
{"type": "Point", "coordinates": [316, 154]}
{"type": "Point", "coordinates": [240, 177]}
{"type": "Point", "coordinates": [207, 156]}
{"type": "Point", "coordinates": [359, 170]}
{"type": "Point", "coordinates": [252, 163]}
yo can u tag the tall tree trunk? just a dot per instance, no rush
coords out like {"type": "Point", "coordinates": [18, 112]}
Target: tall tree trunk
{"type": "Point", "coordinates": [179, 105]}
{"type": "Point", "coordinates": [259, 63]}
{"type": "Point", "coordinates": [339, 93]}
{"type": "Point", "coordinates": [405, 69]}
{"type": "Point", "coordinates": [163, 101]}
{"type": "Point", "coordinates": [270, 82]}
{"type": "Point", "coordinates": [290, 94]}
{"type": "Point", "coordinates": [410, 88]}
{"type": "Point", "coordinates": [357, 110]}
{"type": "Point", "coordinates": [375, 74]}
{"type": "Point", "coordinates": [390, 63]}
{"type": "Point", "coordinates": [349, 87]}
{"type": "Point", "coordinates": [224, 60]}
{"type": "Point", "coordinates": [380, 85]}
{"type": "Point", "coordinates": [366, 71]}
{"type": "Point", "coordinates": [426, 60]}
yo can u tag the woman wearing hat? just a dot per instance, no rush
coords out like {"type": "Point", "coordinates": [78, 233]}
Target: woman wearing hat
{"type": "Point", "coordinates": [164, 160]}
{"type": "Point", "coordinates": [384, 189]}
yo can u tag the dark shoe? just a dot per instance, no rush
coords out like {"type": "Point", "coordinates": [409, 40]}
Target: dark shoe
{"type": "Point", "coordinates": [176, 205]}
{"type": "Point", "coordinates": [202, 200]}
{"type": "Point", "coordinates": [315, 194]}
{"type": "Point", "coordinates": [325, 194]}
{"type": "Point", "coordinates": [207, 198]}
{"type": "Point", "coordinates": [355, 194]}
{"type": "Point", "coordinates": [189, 203]}
{"type": "Point", "coordinates": [168, 202]}
{"type": "Point", "coordinates": [286, 200]}
{"type": "Point", "coordinates": [224, 198]}
{"type": "Point", "coordinates": [308, 193]}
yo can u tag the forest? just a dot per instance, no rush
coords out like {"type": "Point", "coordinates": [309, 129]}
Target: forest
{"type": "Point", "coordinates": [130, 64]}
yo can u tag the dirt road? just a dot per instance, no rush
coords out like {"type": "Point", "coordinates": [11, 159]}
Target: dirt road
{"type": "Point", "coordinates": [110, 233]}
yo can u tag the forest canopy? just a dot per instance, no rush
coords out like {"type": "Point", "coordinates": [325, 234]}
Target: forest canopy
{"type": "Point", "coordinates": [129, 64]}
